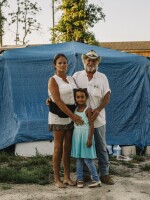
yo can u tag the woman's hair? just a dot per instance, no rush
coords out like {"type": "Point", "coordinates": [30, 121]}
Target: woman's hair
{"type": "Point", "coordinates": [84, 90]}
{"type": "Point", "coordinates": [58, 56]}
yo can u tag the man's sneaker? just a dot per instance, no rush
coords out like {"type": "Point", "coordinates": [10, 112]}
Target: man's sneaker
{"type": "Point", "coordinates": [107, 180]}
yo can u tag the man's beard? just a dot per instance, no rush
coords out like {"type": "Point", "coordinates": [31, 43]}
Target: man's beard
{"type": "Point", "coordinates": [90, 69]}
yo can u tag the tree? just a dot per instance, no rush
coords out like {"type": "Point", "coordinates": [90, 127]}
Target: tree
{"type": "Point", "coordinates": [3, 3]}
{"type": "Point", "coordinates": [77, 17]}
{"type": "Point", "coordinates": [25, 18]}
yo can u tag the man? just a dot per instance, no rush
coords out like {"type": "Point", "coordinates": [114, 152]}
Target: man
{"type": "Point", "coordinates": [99, 94]}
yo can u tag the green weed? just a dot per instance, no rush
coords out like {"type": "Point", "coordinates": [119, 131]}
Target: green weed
{"type": "Point", "coordinates": [146, 167]}
{"type": "Point", "coordinates": [137, 158]}
{"type": "Point", "coordinates": [15, 169]}
{"type": "Point", "coordinates": [6, 186]}
{"type": "Point", "coordinates": [128, 164]}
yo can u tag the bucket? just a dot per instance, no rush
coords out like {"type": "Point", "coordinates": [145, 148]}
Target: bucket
{"type": "Point", "coordinates": [116, 150]}
{"type": "Point", "coordinates": [148, 150]}
{"type": "Point", "coordinates": [109, 148]}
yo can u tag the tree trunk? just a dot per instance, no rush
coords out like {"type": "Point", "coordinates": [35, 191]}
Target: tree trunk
{"type": "Point", "coordinates": [1, 27]}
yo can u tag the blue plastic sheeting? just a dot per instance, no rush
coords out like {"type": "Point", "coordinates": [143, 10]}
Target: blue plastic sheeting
{"type": "Point", "coordinates": [24, 74]}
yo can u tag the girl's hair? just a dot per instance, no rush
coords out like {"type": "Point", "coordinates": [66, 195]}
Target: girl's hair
{"type": "Point", "coordinates": [84, 90]}
{"type": "Point", "coordinates": [58, 56]}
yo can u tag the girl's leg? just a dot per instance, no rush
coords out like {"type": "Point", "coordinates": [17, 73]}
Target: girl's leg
{"type": "Point", "coordinates": [92, 168]}
{"type": "Point", "coordinates": [66, 157]}
{"type": "Point", "coordinates": [57, 155]}
{"type": "Point", "coordinates": [79, 168]}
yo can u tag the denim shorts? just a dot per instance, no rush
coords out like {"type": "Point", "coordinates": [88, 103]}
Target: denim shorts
{"type": "Point", "coordinates": [60, 127]}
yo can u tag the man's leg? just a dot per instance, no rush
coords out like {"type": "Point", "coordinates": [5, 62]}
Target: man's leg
{"type": "Point", "coordinates": [102, 154]}
{"type": "Point", "coordinates": [101, 150]}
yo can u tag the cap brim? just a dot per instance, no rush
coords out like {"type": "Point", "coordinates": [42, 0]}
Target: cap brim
{"type": "Point", "coordinates": [84, 56]}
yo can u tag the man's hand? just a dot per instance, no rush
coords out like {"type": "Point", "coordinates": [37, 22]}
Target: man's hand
{"type": "Point", "coordinates": [95, 114]}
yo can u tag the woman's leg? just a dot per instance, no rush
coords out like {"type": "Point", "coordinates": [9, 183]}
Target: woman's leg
{"type": "Point", "coordinates": [57, 155]}
{"type": "Point", "coordinates": [90, 164]}
{"type": "Point", "coordinates": [66, 157]}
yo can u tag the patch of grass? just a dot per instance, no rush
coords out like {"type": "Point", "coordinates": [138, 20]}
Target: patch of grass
{"type": "Point", "coordinates": [128, 164]}
{"type": "Point", "coordinates": [39, 175]}
{"type": "Point", "coordinates": [125, 175]}
{"type": "Point", "coordinates": [15, 169]}
{"type": "Point", "coordinates": [4, 157]}
{"type": "Point", "coordinates": [112, 158]}
{"type": "Point", "coordinates": [146, 167]}
{"type": "Point", "coordinates": [137, 158]}
{"type": "Point", "coordinates": [6, 186]}
{"type": "Point", "coordinates": [113, 171]}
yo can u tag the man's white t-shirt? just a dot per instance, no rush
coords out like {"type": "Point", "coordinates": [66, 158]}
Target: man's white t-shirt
{"type": "Point", "coordinates": [97, 88]}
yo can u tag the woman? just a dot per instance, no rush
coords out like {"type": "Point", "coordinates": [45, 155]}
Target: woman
{"type": "Point", "coordinates": [60, 88]}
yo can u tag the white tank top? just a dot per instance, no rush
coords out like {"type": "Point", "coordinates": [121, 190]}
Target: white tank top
{"type": "Point", "coordinates": [66, 95]}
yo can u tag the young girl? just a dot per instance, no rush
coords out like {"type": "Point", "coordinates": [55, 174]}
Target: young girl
{"type": "Point", "coordinates": [83, 146]}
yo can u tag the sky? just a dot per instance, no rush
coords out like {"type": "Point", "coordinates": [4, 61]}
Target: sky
{"type": "Point", "coordinates": [126, 20]}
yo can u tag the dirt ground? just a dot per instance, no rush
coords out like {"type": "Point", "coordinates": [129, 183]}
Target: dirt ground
{"type": "Point", "coordinates": [130, 184]}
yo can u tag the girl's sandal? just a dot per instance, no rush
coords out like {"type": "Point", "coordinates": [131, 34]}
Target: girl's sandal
{"type": "Point", "coordinates": [95, 184]}
{"type": "Point", "coordinates": [80, 184]}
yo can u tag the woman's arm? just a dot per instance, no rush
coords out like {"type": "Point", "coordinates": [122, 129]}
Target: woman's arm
{"type": "Point", "coordinates": [91, 124]}
{"type": "Point", "coordinates": [53, 87]}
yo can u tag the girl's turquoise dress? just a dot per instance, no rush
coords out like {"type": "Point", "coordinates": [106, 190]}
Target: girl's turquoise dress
{"type": "Point", "coordinates": [80, 138]}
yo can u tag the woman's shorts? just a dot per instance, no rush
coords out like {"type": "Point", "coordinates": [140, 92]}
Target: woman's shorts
{"type": "Point", "coordinates": [60, 127]}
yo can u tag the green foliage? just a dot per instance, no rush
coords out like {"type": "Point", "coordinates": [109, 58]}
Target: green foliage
{"type": "Point", "coordinates": [77, 17]}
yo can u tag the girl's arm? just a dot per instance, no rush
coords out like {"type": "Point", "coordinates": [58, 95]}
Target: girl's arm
{"type": "Point", "coordinates": [91, 124]}
{"type": "Point", "coordinates": [53, 87]}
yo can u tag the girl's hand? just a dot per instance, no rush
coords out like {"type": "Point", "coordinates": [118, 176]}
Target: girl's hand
{"type": "Point", "coordinates": [89, 143]}
{"type": "Point", "coordinates": [77, 120]}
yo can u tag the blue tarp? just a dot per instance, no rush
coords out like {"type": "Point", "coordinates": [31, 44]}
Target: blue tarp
{"type": "Point", "coordinates": [24, 74]}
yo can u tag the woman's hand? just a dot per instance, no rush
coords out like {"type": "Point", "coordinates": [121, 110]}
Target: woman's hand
{"type": "Point", "coordinates": [77, 120]}
{"type": "Point", "coordinates": [89, 143]}
{"type": "Point", "coordinates": [47, 101]}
